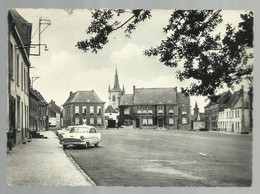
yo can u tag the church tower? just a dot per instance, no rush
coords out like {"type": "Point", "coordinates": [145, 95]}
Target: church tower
{"type": "Point", "coordinates": [196, 113]}
{"type": "Point", "coordinates": [114, 94]}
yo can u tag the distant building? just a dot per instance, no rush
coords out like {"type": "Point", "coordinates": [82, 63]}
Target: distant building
{"type": "Point", "coordinates": [54, 114]}
{"type": "Point", "coordinates": [155, 108]}
{"type": "Point", "coordinates": [19, 39]}
{"type": "Point", "coordinates": [38, 111]}
{"type": "Point", "coordinates": [111, 117]}
{"type": "Point", "coordinates": [198, 119]}
{"type": "Point", "coordinates": [83, 107]}
{"type": "Point", "coordinates": [212, 109]}
{"type": "Point", "coordinates": [230, 114]}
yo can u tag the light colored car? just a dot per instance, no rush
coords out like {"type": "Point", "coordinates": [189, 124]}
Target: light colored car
{"type": "Point", "coordinates": [81, 135]}
{"type": "Point", "coordinates": [60, 133]}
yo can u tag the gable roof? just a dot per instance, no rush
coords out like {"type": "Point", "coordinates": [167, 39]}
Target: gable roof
{"type": "Point", "coordinates": [238, 103]}
{"type": "Point", "coordinates": [52, 105]}
{"type": "Point", "coordinates": [220, 99]}
{"type": "Point", "coordinates": [83, 96]}
{"type": "Point", "coordinates": [110, 109]}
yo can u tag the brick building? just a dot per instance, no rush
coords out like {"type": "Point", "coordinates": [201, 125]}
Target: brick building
{"type": "Point", "coordinates": [155, 108]}
{"type": "Point", "coordinates": [19, 38]}
{"type": "Point", "coordinates": [38, 111]}
{"type": "Point", "coordinates": [83, 107]}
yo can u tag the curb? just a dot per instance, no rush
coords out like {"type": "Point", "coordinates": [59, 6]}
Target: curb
{"type": "Point", "coordinates": [80, 169]}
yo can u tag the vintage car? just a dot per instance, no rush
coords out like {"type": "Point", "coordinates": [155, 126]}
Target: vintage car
{"type": "Point", "coordinates": [81, 135]}
{"type": "Point", "coordinates": [60, 133]}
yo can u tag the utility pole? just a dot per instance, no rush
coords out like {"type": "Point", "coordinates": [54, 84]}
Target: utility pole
{"type": "Point", "coordinates": [243, 110]}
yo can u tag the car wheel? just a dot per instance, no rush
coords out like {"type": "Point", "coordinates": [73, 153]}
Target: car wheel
{"type": "Point", "coordinates": [86, 145]}
{"type": "Point", "coordinates": [64, 147]}
{"type": "Point", "coordinates": [96, 144]}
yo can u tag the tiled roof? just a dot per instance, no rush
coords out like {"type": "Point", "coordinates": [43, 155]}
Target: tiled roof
{"type": "Point", "coordinates": [155, 96]}
{"type": "Point", "coordinates": [24, 28]}
{"type": "Point", "coordinates": [38, 95]}
{"type": "Point", "coordinates": [127, 99]}
{"type": "Point", "coordinates": [110, 109]}
{"type": "Point", "coordinates": [83, 96]}
{"type": "Point", "coordinates": [219, 99]}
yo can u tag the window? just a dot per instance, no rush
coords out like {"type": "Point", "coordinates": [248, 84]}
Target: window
{"type": "Point", "coordinates": [76, 109]}
{"type": "Point", "coordinates": [11, 67]}
{"type": "Point", "coordinates": [238, 125]}
{"type": "Point", "coordinates": [171, 121]}
{"type": "Point", "coordinates": [18, 113]}
{"type": "Point", "coordinates": [144, 121]}
{"type": "Point", "coordinates": [99, 121]}
{"type": "Point", "coordinates": [144, 111]}
{"type": "Point", "coordinates": [127, 111]}
{"type": "Point", "coordinates": [84, 109]}
{"type": "Point", "coordinates": [170, 110]}
{"type": "Point", "coordinates": [150, 111]}
{"type": "Point", "coordinates": [150, 121]}
{"type": "Point", "coordinates": [92, 130]}
{"type": "Point", "coordinates": [91, 109]}
{"type": "Point", "coordinates": [24, 80]}
{"type": "Point", "coordinates": [184, 120]}
{"type": "Point", "coordinates": [114, 98]}
{"type": "Point", "coordinates": [91, 121]}
{"type": "Point", "coordinates": [237, 113]}
{"type": "Point", "coordinates": [99, 110]}
{"type": "Point", "coordinates": [17, 69]}
{"type": "Point", "coordinates": [160, 110]}
{"type": "Point", "coordinates": [139, 111]}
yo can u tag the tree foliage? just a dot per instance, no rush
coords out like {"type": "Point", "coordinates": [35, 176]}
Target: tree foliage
{"type": "Point", "coordinates": [213, 59]}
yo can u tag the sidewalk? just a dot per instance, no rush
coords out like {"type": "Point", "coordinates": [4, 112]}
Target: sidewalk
{"type": "Point", "coordinates": [42, 162]}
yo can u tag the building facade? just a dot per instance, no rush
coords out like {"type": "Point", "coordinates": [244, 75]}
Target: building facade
{"type": "Point", "coordinates": [38, 111]}
{"type": "Point", "coordinates": [83, 107]}
{"type": "Point", "coordinates": [230, 117]}
{"type": "Point", "coordinates": [155, 108]}
{"type": "Point", "coordinates": [19, 35]}
{"type": "Point", "coordinates": [212, 109]}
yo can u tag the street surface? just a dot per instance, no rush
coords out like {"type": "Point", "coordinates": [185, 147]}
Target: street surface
{"type": "Point", "coordinates": [134, 157]}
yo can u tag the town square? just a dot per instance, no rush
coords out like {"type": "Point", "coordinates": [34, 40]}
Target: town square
{"type": "Point", "coordinates": [118, 97]}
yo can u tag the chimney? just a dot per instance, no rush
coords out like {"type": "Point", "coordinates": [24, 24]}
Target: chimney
{"type": "Point", "coordinates": [70, 93]}
{"type": "Point", "coordinates": [134, 89]}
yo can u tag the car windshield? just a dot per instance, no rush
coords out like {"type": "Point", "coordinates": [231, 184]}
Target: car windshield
{"type": "Point", "coordinates": [79, 130]}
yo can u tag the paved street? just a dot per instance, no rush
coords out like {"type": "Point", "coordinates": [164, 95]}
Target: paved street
{"type": "Point", "coordinates": [42, 162]}
{"type": "Point", "coordinates": [168, 158]}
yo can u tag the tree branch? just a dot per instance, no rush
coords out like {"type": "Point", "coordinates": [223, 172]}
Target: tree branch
{"type": "Point", "coordinates": [123, 23]}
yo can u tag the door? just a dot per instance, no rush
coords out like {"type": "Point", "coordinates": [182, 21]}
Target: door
{"type": "Point", "coordinates": [111, 124]}
{"type": "Point", "coordinates": [137, 123]}
{"type": "Point", "coordinates": [160, 123]}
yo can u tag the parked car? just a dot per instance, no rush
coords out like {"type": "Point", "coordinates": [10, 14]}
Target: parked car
{"type": "Point", "coordinates": [61, 132]}
{"type": "Point", "coordinates": [81, 135]}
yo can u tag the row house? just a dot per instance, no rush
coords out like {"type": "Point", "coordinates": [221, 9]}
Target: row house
{"type": "Point", "coordinates": [83, 107]}
{"type": "Point", "coordinates": [230, 116]}
{"type": "Point", "coordinates": [19, 37]}
{"type": "Point", "coordinates": [38, 111]}
{"type": "Point", "coordinates": [155, 108]}
{"type": "Point", "coordinates": [212, 109]}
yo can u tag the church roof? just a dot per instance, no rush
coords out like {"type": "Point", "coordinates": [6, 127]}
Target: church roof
{"type": "Point", "coordinates": [116, 83]}
{"type": "Point", "coordinates": [83, 96]}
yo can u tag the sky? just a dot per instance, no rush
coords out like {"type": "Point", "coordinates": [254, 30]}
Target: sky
{"type": "Point", "coordinates": [64, 68]}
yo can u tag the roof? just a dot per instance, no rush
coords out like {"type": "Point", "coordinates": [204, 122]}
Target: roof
{"type": "Point", "coordinates": [155, 96]}
{"type": "Point", "coordinates": [54, 107]}
{"type": "Point", "coordinates": [24, 28]}
{"type": "Point", "coordinates": [38, 95]}
{"type": "Point", "coordinates": [219, 99]}
{"type": "Point", "coordinates": [110, 109]}
{"type": "Point", "coordinates": [83, 97]}
{"type": "Point", "coordinates": [127, 99]}
{"type": "Point", "coordinates": [238, 103]}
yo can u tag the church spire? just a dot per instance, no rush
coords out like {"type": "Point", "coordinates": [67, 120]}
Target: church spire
{"type": "Point", "coordinates": [196, 105]}
{"type": "Point", "coordinates": [116, 82]}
